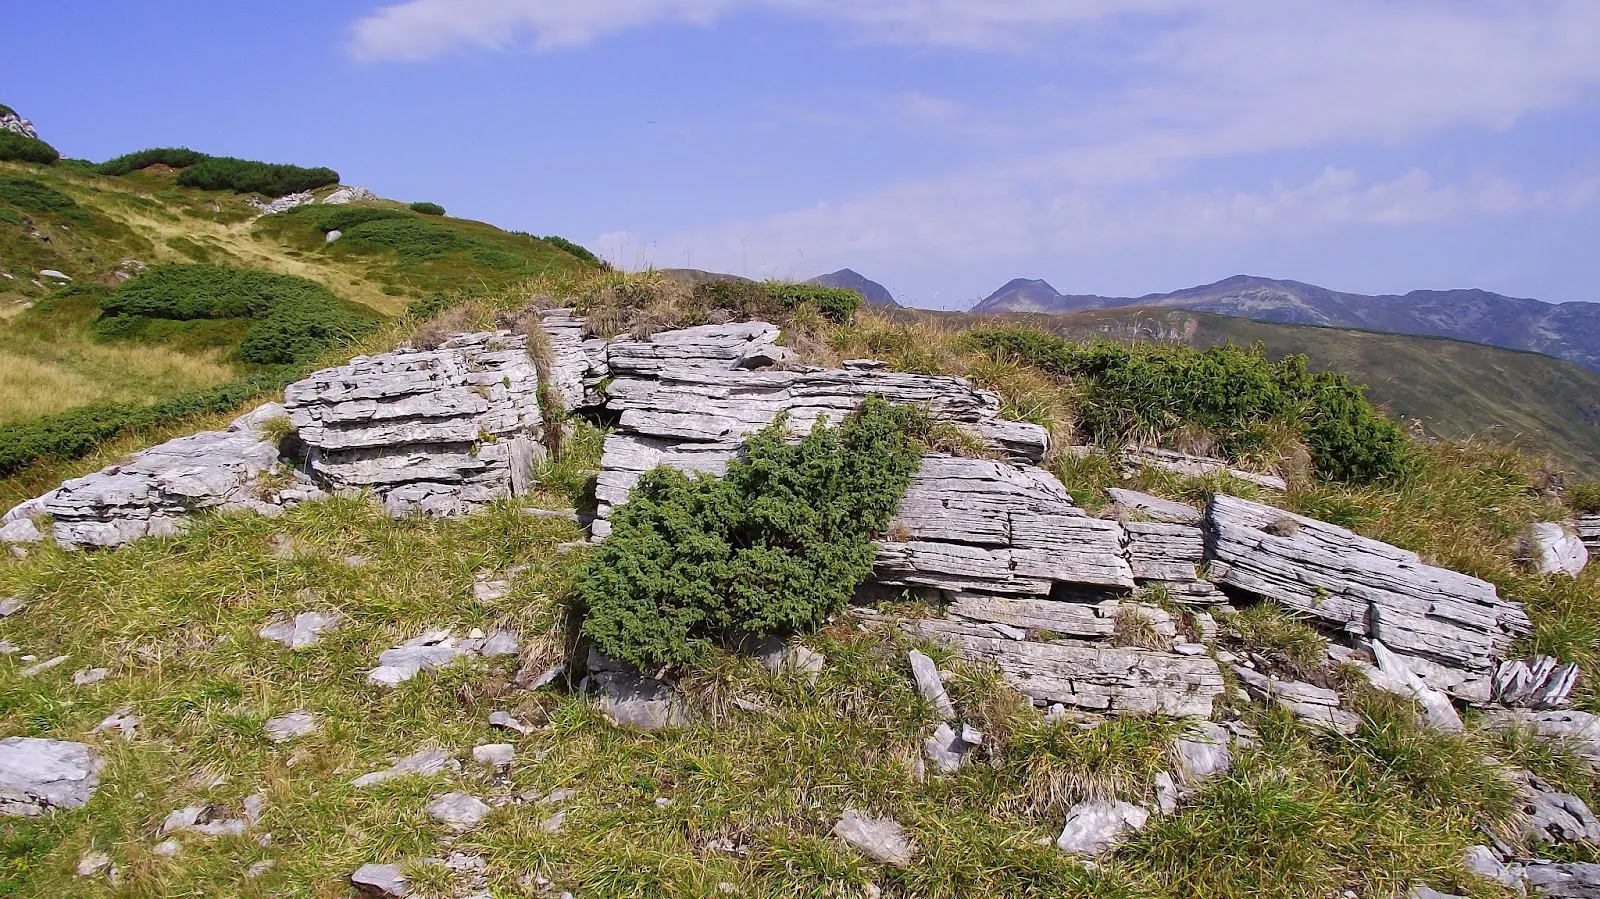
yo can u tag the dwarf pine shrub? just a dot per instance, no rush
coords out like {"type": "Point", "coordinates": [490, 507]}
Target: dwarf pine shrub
{"type": "Point", "coordinates": [16, 147]}
{"type": "Point", "coordinates": [297, 319]}
{"type": "Point", "coordinates": [248, 176]}
{"type": "Point", "coordinates": [175, 157]}
{"type": "Point", "coordinates": [775, 546]}
{"type": "Point", "coordinates": [423, 207]}
{"type": "Point", "coordinates": [778, 299]}
{"type": "Point", "coordinates": [576, 249]}
{"type": "Point", "coordinates": [1143, 391]}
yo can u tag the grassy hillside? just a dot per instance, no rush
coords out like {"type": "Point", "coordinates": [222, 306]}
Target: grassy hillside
{"type": "Point", "coordinates": [1458, 390]}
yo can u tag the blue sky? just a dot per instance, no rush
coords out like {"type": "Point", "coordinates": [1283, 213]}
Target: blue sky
{"type": "Point", "coordinates": [941, 147]}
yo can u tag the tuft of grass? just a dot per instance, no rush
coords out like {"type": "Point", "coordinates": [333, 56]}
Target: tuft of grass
{"type": "Point", "coordinates": [1279, 635]}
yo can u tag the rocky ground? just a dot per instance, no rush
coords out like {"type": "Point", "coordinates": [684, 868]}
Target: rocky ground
{"type": "Point", "coordinates": [362, 674]}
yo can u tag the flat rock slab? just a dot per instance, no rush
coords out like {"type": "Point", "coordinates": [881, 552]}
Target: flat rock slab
{"type": "Point", "coordinates": [436, 432]}
{"type": "Point", "coordinates": [290, 726]}
{"type": "Point", "coordinates": [1579, 731]}
{"type": "Point", "coordinates": [1159, 551]}
{"type": "Point", "coordinates": [1084, 675]}
{"type": "Point", "coordinates": [1453, 628]}
{"type": "Point", "coordinates": [631, 700]}
{"type": "Point", "coordinates": [1589, 532]}
{"type": "Point", "coordinates": [1095, 828]}
{"type": "Point", "coordinates": [1309, 702]}
{"type": "Point", "coordinates": [1135, 506]}
{"type": "Point", "coordinates": [37, 775]}
{"type": "Point", "coordinates": [424, 763]}
{"type": "Point", "coordinates": [381, 881]}
{"type": "Point", "coordinates": [304, 630]}
{"type": "Point", "coordinates": [459, 811]}
{"type": "Point", "coordinates": [157, 491]}
{"type": "Point", "coordinates": [880, 839]}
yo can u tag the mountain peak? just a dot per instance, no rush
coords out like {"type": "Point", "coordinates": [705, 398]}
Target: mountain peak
{"type": "Point", "coordinates": [874, 293]}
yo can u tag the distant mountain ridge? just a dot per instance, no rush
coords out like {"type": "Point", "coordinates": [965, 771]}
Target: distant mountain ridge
{"type": "Point", "coordinates": [874, 293]}
{"type": "Point", "coordinates": [1569, 331]}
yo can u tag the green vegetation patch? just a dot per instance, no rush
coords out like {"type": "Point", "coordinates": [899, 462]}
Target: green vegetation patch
{"type": "Point", "coordinates": [296, 319]}
{"type": "Point", "coordinates": [248, 176]}
{"type": "Point", "coordinates": [423, 207]}
{"type": "Point", "coordinates": [775, 546]}
{"type": "Point", "coordinates": [176, 157]}
{"type": "Point", "coordinates": [32, 196]}
{"type": "Point", "coordinates": [78, 431]}
{"type": "Point", "coordinates": [1141, 392]}
{"type": "Point", "coordinates": [16, 147]}
{"type": "Point", "coordinates": [1584, 498]}
{"type": "Point", "coordinates": [576, 249]}
{"type": "Point", "coordinates": [779, 299]}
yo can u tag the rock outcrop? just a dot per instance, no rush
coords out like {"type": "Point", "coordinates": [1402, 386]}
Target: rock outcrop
{"type": "Point", "coordinates": [348, 195]}
{"type": "Point", "coordinates": [1451, 629]}
{"type": "Point", "coordinates": [438, 432]}
{"type": "Point", "coordinates": [576, 364]}
{"type": "Point", "coordinates": [156, 491]}
{"type": "Point", "coordinates": [10, 121]}
{"type": "Point", "coordinates": [1195, 466]}
{"type": "Point", "coordinates": [37, 776]}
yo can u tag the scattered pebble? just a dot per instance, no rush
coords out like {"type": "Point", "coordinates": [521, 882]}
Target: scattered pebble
{"type": "Point", "coordinates": [42, 667]}
{"type": "Point", "coordinates": [497, 756]}
{"type": "Point", "coordinates": [506, 721]}
{"type": "Point", "coordinates": [304, 630]}
{"type": "Point", "coordinates": [881, 839]}
{"type": "Point", "coordinates": [381, 880]}
{"type": "Point", "coordinates": [259, 868]}
{"type": "Point", "coordinates": [168, 848]}
{"type": "Point", "coordinates": [11, 605]}
{"type": "Point", "coordinates": [290, 726]}
{"type": "Point", "coordinates": [91, 863]}
{"type": "Point", "coordinates": [459, 811]}
{"type": "Point", "coordinates": [122, 720]}
{"type": "Point", "coordinates": [423, 764]}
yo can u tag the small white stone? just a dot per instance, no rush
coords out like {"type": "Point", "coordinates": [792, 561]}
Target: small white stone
{"type": "Point", "coordinates": [290, 726]}
{"type": "Point", "coordinates": [167, 848]}
{"type": "Point", "coordinates": [459, 811]}
{"type": "Point", "coordinates": [497, 756]}
{"type": "Point", "coordinates": [42, 667]}
{"type": "Point", "coordinates": [91, 863]}
{"type": "Point", "coordinates": [87, 676]}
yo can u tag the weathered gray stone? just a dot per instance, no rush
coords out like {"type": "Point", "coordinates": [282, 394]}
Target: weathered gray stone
{"type": "Point", "coordinates": [1159, 551]}
{"type": "Point", "coordinates": [1450, 628]}
{"type": "Point", "coordinates": [947, 748]}
{"type": "Point", "coordinates": [42, 667]}
{"type": "Point", "coordinates": [1554, 817]}
{"type": "Point", "coordinates": [632, 700]}
{"type": "Point", "coordinates": [1538, 683]}
{"type": "Point", "coordinates": [304, 630]}
{"type": "Point", "coordinates": [1094, 828]}
{"type": "Point", "coordinates": [436, 649]}
{"type": "Point", "coordinates": [931, 685]}
{"type": "Point", "coordinates": [122, 721]}
{"type": "Point", "coordinates": [1202, 753]}
{"type": "Point", "coordinates": [348, 195]}
{"type": "Point", "coordinates": [1395, 676]}
{"type": "Point", "coordinates": [1071, 619]}
{"type": "Point", "coordinates": [210, 820]}
{"type": "Point", "coordinates": [424, 763]}
{"type": "Point", "coordinates": [978, 526]}
{"type": "Point", "coordinates": [290, 726]}
{"type": "Point", "coordinates": [89, 676]}
{"type": "Point", "coordinates": [880, 839]}
{"type": "Point", "coordinates": [1195, 466]}
{"type": "Point", "coordinates": [11, 605]}
{"type": "Point", "coordinates": [460, 812]}
{"type": "Point", "coordinates": [1425, 892]}
{"type": "Point", "coordinates": [382, 881]}
{"type": "Point", "coordinates": [20, 531]}
{"type": "Point", "coordinates": [495, 756]}
{"type": "Point", "coordinates": [92, 863]}
{"type": "Point", "coordinates": [1482, 861]}
{"type": "Point", "coordinates": [1569, 880]}
{"type": "Point", "coordinates": [1085, 675]}
{"type": "Point", "coordinates": [797, 660]}
{"type": "Point", "coordinates": [1310, 703]}
{"type": "Point", "coordinates": [1579, 731]}
{"type": "Point", "coordinates": [156, 491]}
{"type": "Point", "coordinates": [1133, 505]}
{"type": "Point", "coordinates": [436, 432]}
{"type": "Point", "coordinates": [577, 365]}
{"type": "Point", "coordinates": [10, 121]}
{"type": "Point", "coordinates": [37, 775]}
{"type": "Point", "coordinates": [1558, 548]}
{"type": "Point", "coordinates": [1589, 532]}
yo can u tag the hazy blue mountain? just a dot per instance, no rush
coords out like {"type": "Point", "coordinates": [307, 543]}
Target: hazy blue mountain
{"type": "Point", "coordinates": [871, 291]}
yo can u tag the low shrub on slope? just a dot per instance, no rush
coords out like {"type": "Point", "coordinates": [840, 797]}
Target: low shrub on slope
{"type": "Point", "coordinates": [16, 147]}
{"type": "Point", "coordinates": [776, 545]}
{"type": "Point", "coordinates": [248, 176]}
{"type": "Point", "coordinates": [296, 319]}
{"type": "Point", "coordinates": [1236, 396]}
{"type": "Point", "coordinates": [176, 157]}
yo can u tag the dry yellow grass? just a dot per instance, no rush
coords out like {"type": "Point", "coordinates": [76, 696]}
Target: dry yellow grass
{"type": "Point", "coordinates": [80, 372]}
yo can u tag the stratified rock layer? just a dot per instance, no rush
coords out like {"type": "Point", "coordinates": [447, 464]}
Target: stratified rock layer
{"type": "Point", "coordinates": [1452, 628]}
{"type": "Point", "coordinates": [436, 431]}
{"type": "Point", "coordinates": [156, 491]}
{"type": "Point", "coordinates": [1589, 532]}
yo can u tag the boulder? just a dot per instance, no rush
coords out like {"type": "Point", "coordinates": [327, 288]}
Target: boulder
{"type": "Point", "coordinates": [947, 748]}
{"type": "Point", "coordinates": [20, 531]}
{"type": "Point", "coordinates": [1450, 628]}
{"type": "Point", "coordinates": [1393, 675]}
{"type": "Point", "coordinates": [1165, 552]}
{"type": "Point", "coordinates": [437, 432]}
{"type": "Point", "coordinates": [1202, 753]}
{"type": "Point", "coordinates": [156, 491]}
{"type": "Point", "coordinates": [1553, 817]}
{"type": "Point", "coordinates": [281, 204]}
{"type": "Point", "coordinates": [880, 839]}
{"type": "Point", "coordinates": [37, 775]}
{"type": "Point", "coordinates": [1558, 548]}
{"type": "Point", "coordinates": [1094, 828]}
{"type": "Point", "coordinates": [1568, 880]}
{"type": "Point", "coordinates": [633, 700]}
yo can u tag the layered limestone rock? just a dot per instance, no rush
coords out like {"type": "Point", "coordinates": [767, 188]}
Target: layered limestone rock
{"type": "Point", "coordinates": [688, 399]}
{"type": "Point", "coordinates": [1195, 466]}
{"type": "Point", "coordinates": [1450, 628]}
{"type": "Point", "coordinates": [577, 365]}
{"type": "Point", "coordinates": [1589, 532]}
{"type": "Point", "coordinates": [1082, 674]}
{"type": "Point", "coordinates": [431, 431]}
{"type": "Point", "coordinates": [156, 491]}
{"type": "Point", "coordinates": [979, 526]}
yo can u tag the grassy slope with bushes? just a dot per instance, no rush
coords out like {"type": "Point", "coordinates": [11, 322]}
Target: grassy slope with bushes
{"type": "Point", "coordinates": [1458, 390]}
